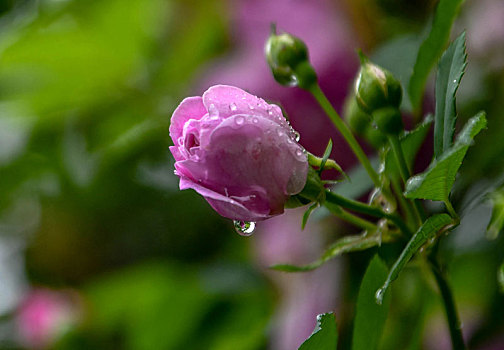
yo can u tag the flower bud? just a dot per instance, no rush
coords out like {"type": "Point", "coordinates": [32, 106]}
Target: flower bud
{"type": "Point", "coordinates": [388, 120]}
{"type": "Point", "coordinates": [361, 123]}
{"type": "Point", "coordinates": [375, 137]}
{"type": "Point", "coordinates": [376, 88]}
{"type": "Point", "coordinates": [287, 57]}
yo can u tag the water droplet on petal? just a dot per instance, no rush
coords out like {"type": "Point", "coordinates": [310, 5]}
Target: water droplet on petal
{"type": "Point", "coordinates": [255, 120]}
{"type": "Point", "coordinates": [240, 120]}
{"type": "Point", "coordinates": [251, 107]}
{"type": "Point", "coordinates": [233, 107]}
{"type": "Point", "coordinates": [213, 113]}
{"type": "Point", "coordinates": [280, 133]}
{"type": "Point", "coordinates": [244, 228]}
{"type": "Point", "coordinates": [297, 136]}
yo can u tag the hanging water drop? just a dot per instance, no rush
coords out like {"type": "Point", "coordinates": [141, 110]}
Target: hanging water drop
{"type": "Point", "coordinates": [300, 154]}
{"type": "Point", "coordinates": [379, 296]}
{"type": "Point", "coordinates": [244, 228]}
{"type": "Point", "coordinates": [297, 136]}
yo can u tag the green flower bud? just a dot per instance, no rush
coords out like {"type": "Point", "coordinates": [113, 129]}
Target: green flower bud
{"type": "Point", "coordinates": [287, 57]}
{"type": "Point", "coordinates": [376, 88]}
{"type": "Point", "coordinates": [374, 137]}
{"type": "Point", "coordinates": [388, 120]}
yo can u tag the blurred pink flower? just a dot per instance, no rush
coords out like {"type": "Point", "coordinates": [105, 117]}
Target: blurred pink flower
{"type": "Point", "coordinates": [238, 152]}
{"type": "Point", "coordinates": [44, 316]}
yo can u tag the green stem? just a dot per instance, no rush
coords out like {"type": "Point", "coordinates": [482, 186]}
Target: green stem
{"type": "Point", "coordinates": [345, 132]}
{"type": "Point", "coordinates": [363, 208]}
{"type": "Point", "coordinates": [449, 306]}
{"type": "Point", "coordinates": [395, 144]}
{"type": "Point", "coordinates": [351, 218]}
{"type": "Point", "coordinates": [403, 203]}
{"type": "Point", "coordinates": [450, 209]}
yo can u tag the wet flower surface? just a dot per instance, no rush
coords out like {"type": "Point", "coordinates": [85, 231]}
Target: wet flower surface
{"type": "Point", "coordinates": [237, 151]}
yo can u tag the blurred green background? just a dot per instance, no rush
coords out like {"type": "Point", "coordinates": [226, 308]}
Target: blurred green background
{"type": "Point", "coordinates": [90, 209]}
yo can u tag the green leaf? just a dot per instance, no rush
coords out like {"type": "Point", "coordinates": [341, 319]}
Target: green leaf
{"type": "Point", "coordinates": [307, 213]}
{"type": "Point", "coordinates": [436, 182]}
{"type": "Point", "coordinates": [410, 143]}
{"type": "Point", "coordinates": [432, 48]}
{"type": "Point", "coordinates": [428, 230]}
{"type": "Point", "coordinates": [451, 69]}
{"type": "Point", "coordinates": [343, 245]}
{"type": "Point", "coordinates": [370, 317]}
{"type": "Point", "coordinates": [324, 336]}
{"type": "Point", "coordinates": [496, 223]}
{"type": "Point", "coordinates": [326, 155]}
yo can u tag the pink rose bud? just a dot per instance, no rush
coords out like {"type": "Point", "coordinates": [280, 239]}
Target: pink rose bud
{"type": "Point", "coordinates": [238, 152]}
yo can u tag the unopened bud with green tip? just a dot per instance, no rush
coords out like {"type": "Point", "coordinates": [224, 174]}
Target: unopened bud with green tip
{"type": "Point", "coordinates": [376, 87]}
{"type": "Point", "coordinates": [287, 57]}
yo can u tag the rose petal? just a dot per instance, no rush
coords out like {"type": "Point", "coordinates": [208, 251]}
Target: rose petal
{"type": "Point", "coordinates": [226, 206]}
{"type": "Point", "coordinates": [230, 100]}
{"type": "Point", "coordinates": [189, 108]}
{"type": "Point", "coordinates": [249, 157]}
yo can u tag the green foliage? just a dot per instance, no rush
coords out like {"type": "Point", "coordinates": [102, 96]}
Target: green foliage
{"type": "Point", "coordinates": [432, 48]}
{"type": "Point", "coordinates": [82, 55]}
{"type": "Point", "coordinates": [162, 305]}
{"type": "Point", "coordinates": [428, 230]}
{"type": "Point", "coordinates": [343, 245]}
{"type": "Point", "coordinates": [326, 155]}
{"type": "Point", "coordinates": [451, 69]}
{"type": "Point", "coordinates": [307, 214]}
{"type": "Point", "coordinates": [324, 336]}
{"type": "Point", "coordinates": [500, 277]}
{"type": "Point", "coordinates": [437, 181]}
{"type": "Point", "coordinates": [370, 317]}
